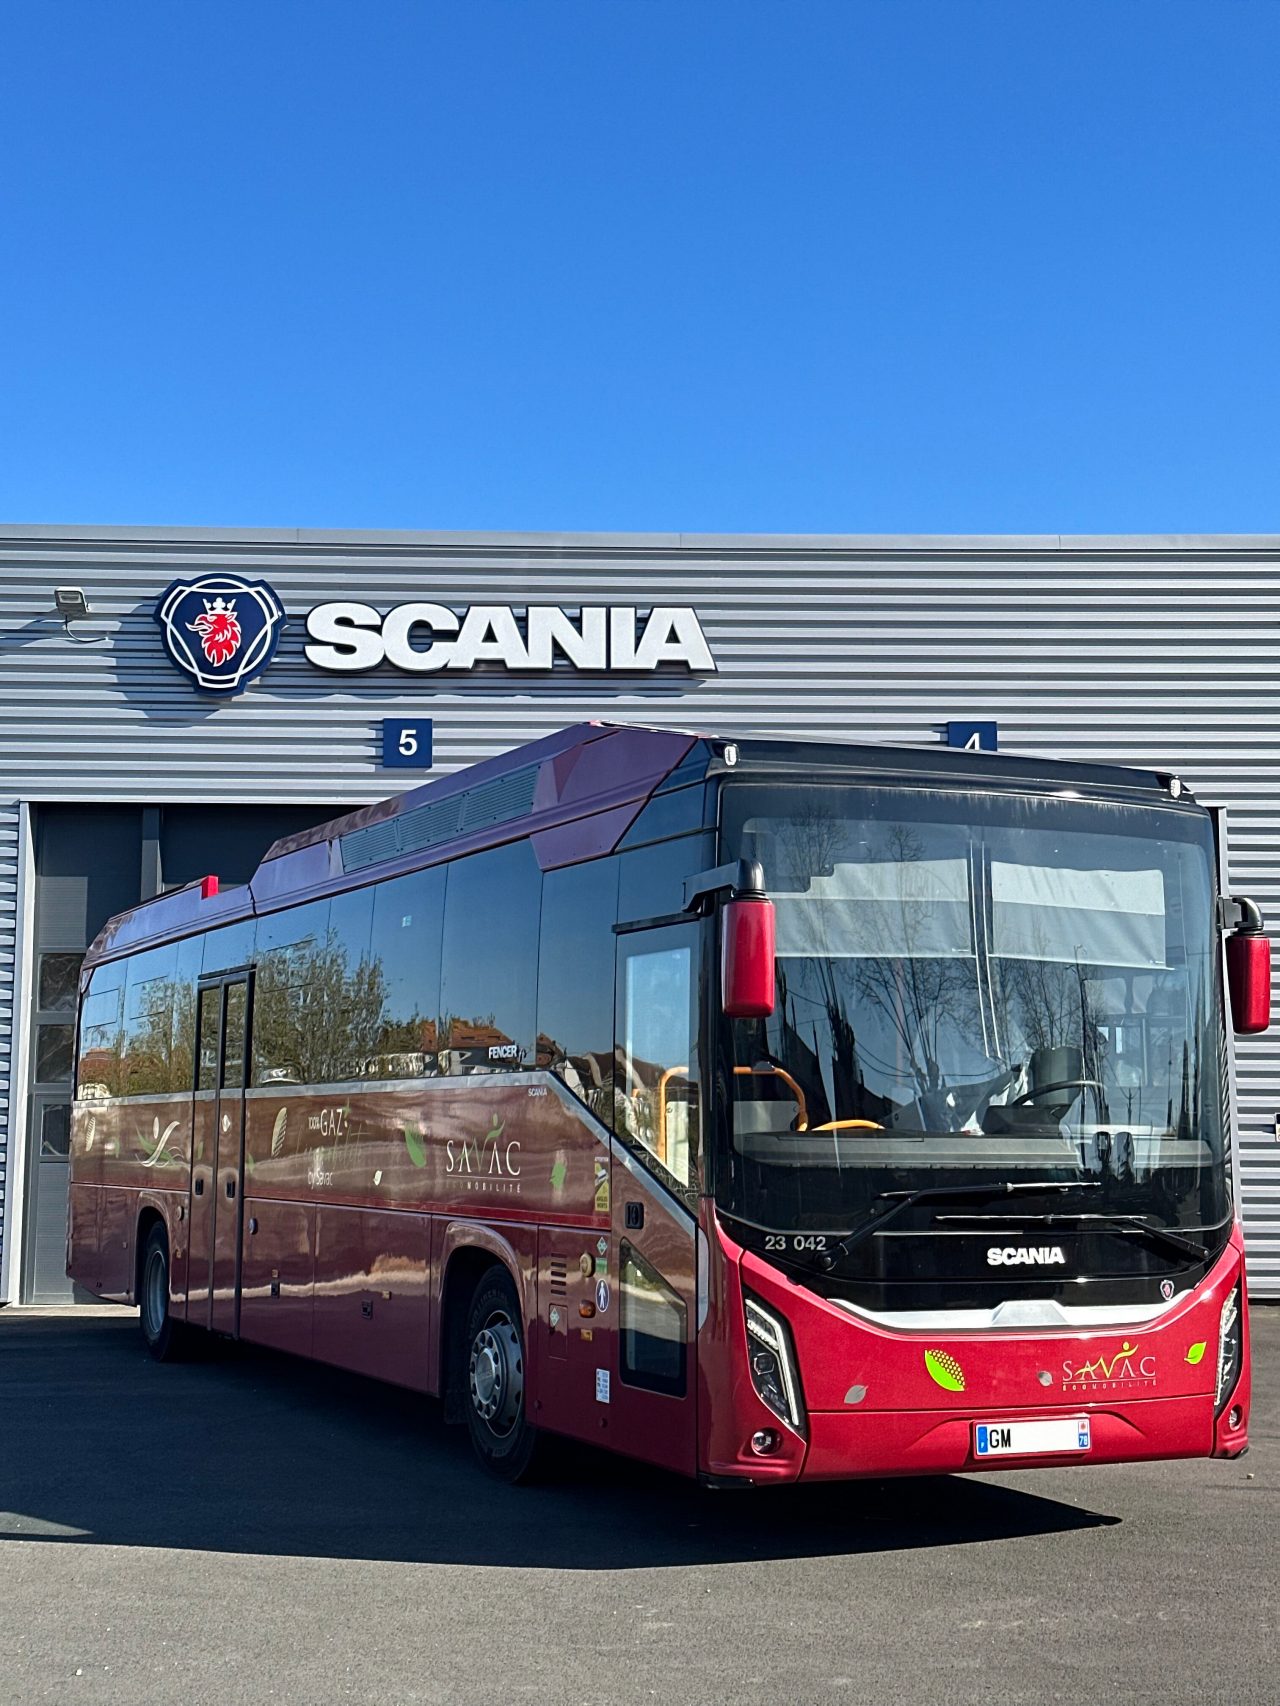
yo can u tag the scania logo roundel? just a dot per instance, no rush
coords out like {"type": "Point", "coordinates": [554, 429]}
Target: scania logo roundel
{"type": "Point", "coordinates": [220, 630]}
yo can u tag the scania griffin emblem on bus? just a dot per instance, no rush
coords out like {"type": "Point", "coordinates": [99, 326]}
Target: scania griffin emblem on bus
{"type": "Point", "coordinates": [220, 630]}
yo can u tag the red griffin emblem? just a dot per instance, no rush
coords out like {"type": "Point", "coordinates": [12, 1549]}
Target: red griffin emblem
{"type": "Point", "coordinates": [219, 630]}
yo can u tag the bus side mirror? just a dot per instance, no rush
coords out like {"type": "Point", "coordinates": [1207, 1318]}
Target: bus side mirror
{"type": "Point", "coordinates": [1249, 980]}
{"type": "Point", "coordinates": [747, 941]}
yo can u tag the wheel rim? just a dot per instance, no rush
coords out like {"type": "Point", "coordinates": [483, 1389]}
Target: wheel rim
{"type": "Point", "coordinates": [155, 1294]}
{"type": "Point", "coordinates": [496, 1374]}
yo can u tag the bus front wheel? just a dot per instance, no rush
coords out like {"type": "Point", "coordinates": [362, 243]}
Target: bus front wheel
{"type": "Point", "coordinates": [492, 1379]}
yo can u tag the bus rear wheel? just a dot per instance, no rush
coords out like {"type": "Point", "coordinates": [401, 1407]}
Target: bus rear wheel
{"type": "Point", "coordinates": [161, 1333]}
{"type": "Point", "coordinates": [492, 1379]}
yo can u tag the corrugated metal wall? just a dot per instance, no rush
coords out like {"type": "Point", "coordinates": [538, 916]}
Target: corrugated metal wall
{"type": "Point", "coordinates": [1157, 651]}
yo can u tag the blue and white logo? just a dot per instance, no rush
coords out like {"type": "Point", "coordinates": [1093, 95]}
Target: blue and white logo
{"type": "Point", "coordinates": [220, 630]}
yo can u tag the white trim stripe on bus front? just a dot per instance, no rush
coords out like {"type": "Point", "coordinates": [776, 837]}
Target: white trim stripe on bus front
{"type": "Point", "coordinates": [1013, 1316]}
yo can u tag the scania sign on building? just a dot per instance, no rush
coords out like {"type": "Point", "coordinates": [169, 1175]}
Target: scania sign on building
{"type": "Point", "coordinates": [422, 638]}
{"type": "Point", "coordinates": [222, 632]}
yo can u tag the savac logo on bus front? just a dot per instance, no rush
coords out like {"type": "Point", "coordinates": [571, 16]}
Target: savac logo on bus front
{"type": "Point", "coordinates": [220, 630]}
{"type": "Point", "coordinates": [1128, 1367]}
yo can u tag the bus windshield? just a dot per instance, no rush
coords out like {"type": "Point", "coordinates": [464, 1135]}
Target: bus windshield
{"type": "Point", "coordinates": [976, 987]}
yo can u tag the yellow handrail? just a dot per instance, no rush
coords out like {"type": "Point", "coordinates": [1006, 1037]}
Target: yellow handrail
{"type": "Point", "coordinates": [787, 1079]}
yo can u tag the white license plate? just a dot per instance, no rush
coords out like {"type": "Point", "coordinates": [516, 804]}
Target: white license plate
{"type": "Point", "coordinates": [1030, 1439]}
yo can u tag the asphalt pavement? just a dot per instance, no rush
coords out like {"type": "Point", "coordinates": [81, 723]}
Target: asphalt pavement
{"type": "Point", "coordinates": [248, 1529]}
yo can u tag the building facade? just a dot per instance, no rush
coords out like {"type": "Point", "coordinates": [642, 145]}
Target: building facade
{"type": "Point", "coordinates": [217, 689]}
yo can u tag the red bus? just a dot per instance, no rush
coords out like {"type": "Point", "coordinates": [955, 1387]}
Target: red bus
{"type": "Point", "coordinates": [766, 1110]}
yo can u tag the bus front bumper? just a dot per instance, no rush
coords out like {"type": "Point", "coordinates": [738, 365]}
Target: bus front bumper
{"type": "Point", "coordinates": [926, 1443]}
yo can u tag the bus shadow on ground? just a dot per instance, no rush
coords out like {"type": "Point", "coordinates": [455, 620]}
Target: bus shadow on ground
{"type": "Point", "coordinates": [249, 1451]}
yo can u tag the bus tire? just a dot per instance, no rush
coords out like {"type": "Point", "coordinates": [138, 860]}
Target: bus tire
{"type": "Point", "coordinates": [162, 1335]}
{"type": "Point", "coordinates": [491, 1378]}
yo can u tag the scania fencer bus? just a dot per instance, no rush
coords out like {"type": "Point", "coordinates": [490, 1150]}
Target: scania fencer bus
{"type": "Point", "coordinates": [766, 1110]}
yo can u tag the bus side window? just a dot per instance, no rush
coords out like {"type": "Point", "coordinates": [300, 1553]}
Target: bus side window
{"type": "Point", "coordinates": [404, 975]}
{"type": "Point", "coordinates": [296, 997]}
{"type": "Point", "coordinates": [651, 881]}
{"type": "Point", "coordinates": [210, 1018]}
{"type": "Point", "coordinates": [575, 980]}
{"type": "Point", "coordinates": [656, 1098]}
{"type": "Point", "coordinates": [489, 960]}
{"type": "Point", "coordinates": [182, 1065]}
{"type": "Point", "coordinates": [98, 1071]}
{"type": "Point", "coordinates": [357, 1007]}
{"type": "Point", "coordinates": [233, 1044]}
{"type": "Point", "coordinates": [150, 989]}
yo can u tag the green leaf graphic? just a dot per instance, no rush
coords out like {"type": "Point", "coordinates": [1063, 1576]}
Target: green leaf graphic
{"type": "Point", "coordinates": [1195, 1353]}
{"type": "Point", "coordinates": [413, 1143]}
{"type": "Point", "coordinates": [557, 1175]}
{"type": "Point", "coordinates": [944, 1370]}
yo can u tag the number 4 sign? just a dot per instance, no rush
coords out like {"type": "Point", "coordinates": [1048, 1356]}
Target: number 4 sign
{"type": "Point", "coordinates": [406, 743]}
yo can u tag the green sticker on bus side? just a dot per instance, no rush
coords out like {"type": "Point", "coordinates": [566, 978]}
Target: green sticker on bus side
{"type": "Point", "coordinates": [1195, 1353]}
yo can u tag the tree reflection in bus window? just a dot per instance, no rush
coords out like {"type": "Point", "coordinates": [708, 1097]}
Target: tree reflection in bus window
{"type": "Point", "coordinates": [404, 975]}
{"type": "Point", "coordinates": [150, 989]}
{"type": "Point", "coordinates": [98, 1072]}
{"type": "Point", "coordinates": [294, 988]}
{"type": "Point", "coordinates": [233, 1043]}
{"type": "Point", "coordinates": [575, 980]}
{"type": "Point", "coordinates": [656, 1099]}
{"type": "Point", "coordinates": [489, 961]}
{"type": "Point", "coordinates": [210, 1016]}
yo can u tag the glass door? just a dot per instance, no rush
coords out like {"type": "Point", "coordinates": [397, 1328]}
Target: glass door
{"type": "Point", "coordinates": [217, 1171]}
{"type": "Point", "coordinates": [658, 1118]}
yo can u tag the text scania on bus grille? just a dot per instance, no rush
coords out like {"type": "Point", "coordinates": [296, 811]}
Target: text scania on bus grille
{"type": "Point", "coordinates": [425, 637]}
{"type": "Point", "coordinates": [1031, 1255]}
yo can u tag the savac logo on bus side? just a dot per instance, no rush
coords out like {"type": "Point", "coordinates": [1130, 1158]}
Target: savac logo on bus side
{"type": "Point", "coordinates": [488, 1164]}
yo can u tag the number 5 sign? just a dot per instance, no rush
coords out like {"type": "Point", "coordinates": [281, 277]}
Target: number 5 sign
{"type": "Point", "coordinates": [406, 743]}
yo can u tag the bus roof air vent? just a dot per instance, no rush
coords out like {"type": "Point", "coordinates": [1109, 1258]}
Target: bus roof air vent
{"type": "Point", "coordinates": [501, 800]}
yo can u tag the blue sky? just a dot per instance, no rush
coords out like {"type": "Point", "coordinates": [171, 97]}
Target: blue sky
{"type": "Point", "coordinates": [678, 264]}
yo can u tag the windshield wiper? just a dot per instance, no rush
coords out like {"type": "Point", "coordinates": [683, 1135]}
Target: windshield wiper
{"type": "Point", "coordinates": [1158, 1235]}
{"type": "Point", "coordinates": [900, 1201]}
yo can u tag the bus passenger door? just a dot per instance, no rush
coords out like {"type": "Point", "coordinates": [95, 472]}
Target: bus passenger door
{"type": "Point", "coordinates": [653, 1263]}
{"type": "Point", "coordinates": [217, 1172]}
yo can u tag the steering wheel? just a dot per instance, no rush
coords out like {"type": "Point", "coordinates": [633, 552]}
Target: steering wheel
{"type": "Point", "coordinates": [1048, 1089]}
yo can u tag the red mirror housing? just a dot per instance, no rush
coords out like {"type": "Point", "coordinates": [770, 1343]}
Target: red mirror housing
{"type": "Point", "coordinates": [747, 942]}
{"type": "Point", "coordinates": [1249, 980]}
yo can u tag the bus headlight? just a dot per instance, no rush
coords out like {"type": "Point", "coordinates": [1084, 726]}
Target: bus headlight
{"type": "Point", "coordinates": [1230, 1347]}
{"type": "Point", "coordinates": [773, 1365]}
